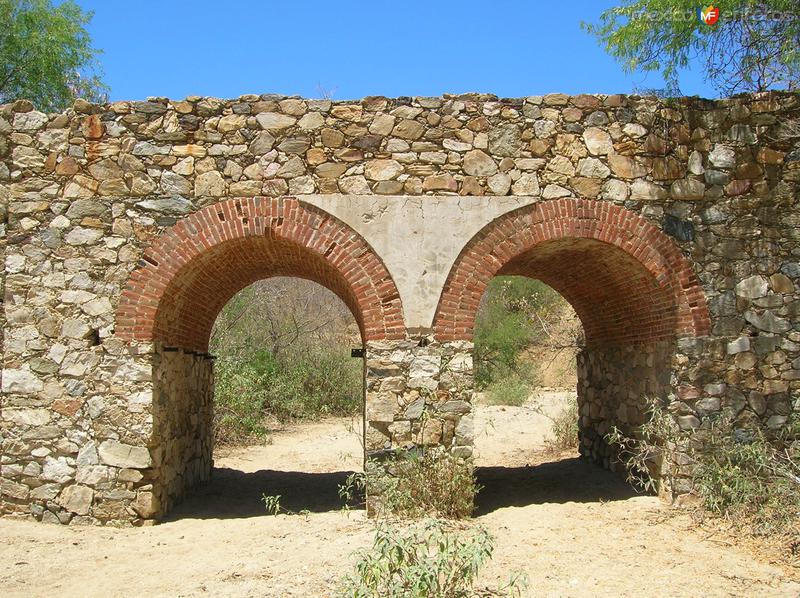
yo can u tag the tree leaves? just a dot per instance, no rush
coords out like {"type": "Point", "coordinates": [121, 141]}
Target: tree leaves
{"type": "Point", "coordinates": [754, 46]}
{"type": "Point", "coordinates": [46, 55]}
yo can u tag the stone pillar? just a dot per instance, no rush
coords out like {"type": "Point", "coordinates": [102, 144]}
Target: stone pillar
{"type": "Point", "coordinates": [418, 394]}
{"type": "Point", "coordinates": [183, 434]}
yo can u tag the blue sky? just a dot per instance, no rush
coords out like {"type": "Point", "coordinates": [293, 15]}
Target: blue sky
{"type": "Point", "coordinates": [352, 49]}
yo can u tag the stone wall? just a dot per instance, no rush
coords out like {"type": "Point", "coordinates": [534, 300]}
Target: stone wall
{"type": "Point", "coordinates": [84, 194]}
{"type": "Point", "coordinates": [74, 447]}
{"type": "Point", "coordinates": [419, 393]}
{"type": "Point", "coordinates": [183, 434]}
{"type": "Point", "coordinates": [613, 388]}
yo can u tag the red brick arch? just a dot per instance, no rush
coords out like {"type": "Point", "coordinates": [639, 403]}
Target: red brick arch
{"type": "Point", "coordinates": [627, 280]}
{"type": "Point", "coordinates": [191, 270]}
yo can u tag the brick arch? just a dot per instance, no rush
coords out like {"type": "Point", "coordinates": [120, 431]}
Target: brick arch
{"type": "Point", "coordinates": [188, 274]}
{"type": "Point", "coordinates": [626, 279]}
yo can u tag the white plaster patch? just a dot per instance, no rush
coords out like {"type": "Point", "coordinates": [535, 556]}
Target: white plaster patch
{"type": "Point", "coordinates": [417, 237]}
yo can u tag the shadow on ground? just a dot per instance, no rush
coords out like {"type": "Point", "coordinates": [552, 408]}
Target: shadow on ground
{"type": "Point", "coordinates": [566, 480]}
{"type": "Point", "coordinates": [236, 494]}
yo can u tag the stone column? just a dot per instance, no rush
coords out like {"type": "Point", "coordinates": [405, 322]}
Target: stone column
{"type": "Point", "coordinates": [183, 418]}
{"type": "Point", "coordinates": [418, 394]}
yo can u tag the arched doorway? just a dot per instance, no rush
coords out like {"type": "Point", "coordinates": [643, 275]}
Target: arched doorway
{"type": "Point", "coordinates": [191, 271]}
{"type": "Point", "coordinates": [632, 288]}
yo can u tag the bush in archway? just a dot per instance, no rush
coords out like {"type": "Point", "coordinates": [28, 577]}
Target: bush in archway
{"type": "Point", "coordinates": [749, 477]}
{"type": "Point", "coordinates": [283, 349]}
{"type": "Point", "coordinates": [517, 314]}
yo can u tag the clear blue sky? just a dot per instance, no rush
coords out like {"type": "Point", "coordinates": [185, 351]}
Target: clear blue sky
{"type": "Point", "coordinates": [353, 49]}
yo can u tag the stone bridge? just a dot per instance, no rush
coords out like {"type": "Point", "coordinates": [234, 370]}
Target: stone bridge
{"type": "Point", "coordinates": [671, 228]}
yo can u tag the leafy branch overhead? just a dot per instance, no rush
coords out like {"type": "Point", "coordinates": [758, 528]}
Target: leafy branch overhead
{"type": "Point", "coordinates": [46, 55]}
{"type": "Point", "coordinates": [753, 46]}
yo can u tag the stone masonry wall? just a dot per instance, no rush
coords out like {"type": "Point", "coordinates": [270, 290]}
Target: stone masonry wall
{"type": "Point", "coordinates": [84, 193]}
{"type": "Point", "coordinates": [613, 387]}
{"type": "Point", "coordinates": [419, 393]}
{"type": "Point", "coordinates": [183, 435]}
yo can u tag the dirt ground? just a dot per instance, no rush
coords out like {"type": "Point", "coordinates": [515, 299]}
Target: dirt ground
{"type": "Point", "coordinates": [574, 529]}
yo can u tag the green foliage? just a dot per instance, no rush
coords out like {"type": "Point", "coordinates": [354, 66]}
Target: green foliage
{"type": "Point", "coordinates": [509, 319]}
{"type": "Point", "coordinates": [295, 385]}
{"type": "Point", "coordinates": [748, 476]}
{"type": "Point", "coordinates": [284, 353]}
{"type": "Point", "coordinates": [511, 389]}
{"type": "Point", "coordinates": [643, 453]}
{"type": "Point", "coordinates": [411, 485]}
{"type": "Point", "coordinates": [754, 46]}
{"type": "Point", "coordinates": [272, 503]}
{"type": "Point", "coordinates": [515, 314]}
{"type": "Point", "coordinates": [46, 54]}
{"type": "Point", "coordinates": [751, 476]}
{"type": "Point", "coordinates": [565, 427]}
{"type": "Point", "coordinates": [432, 559]}
{"type": "Point", "coordinates": [273, 507]}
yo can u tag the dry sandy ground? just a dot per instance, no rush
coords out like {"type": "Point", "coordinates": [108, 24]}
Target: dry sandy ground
{"type": "Point", "coordinates": [574, 529]}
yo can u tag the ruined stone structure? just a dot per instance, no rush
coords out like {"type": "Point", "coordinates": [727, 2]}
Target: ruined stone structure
{"type": "Point", "coordinates": [672, 229]}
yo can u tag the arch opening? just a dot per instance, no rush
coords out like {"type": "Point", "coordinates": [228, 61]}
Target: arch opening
{"type": "Point", "coordinates": [288, 402]}
{"type": "Point", "coordinates": [186, 278]}
{"type": "Point", "coordinates": [631, 287]}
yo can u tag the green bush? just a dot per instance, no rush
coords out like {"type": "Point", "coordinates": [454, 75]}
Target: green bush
{"type": "Point", "coordinates": [514, 314]}
{"type": "Point", "coordinates": [432, 559]}
{"type": "Point", "coordinates": [411, 485]}
{"type": "Point", "coordinates": [238, 413]}
{"type": "Point", "coordinates": [511, 389]}
{"type": "Point", "coordinates": [750, 477]}
{"type": "Point", "coordinates": [306, 383]}
{"type": "Point", "coordinates": [283, 347]}
{"type": "Point", "coordinates": [565, 427]}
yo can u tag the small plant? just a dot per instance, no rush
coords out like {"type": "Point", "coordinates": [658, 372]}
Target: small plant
{"type": "Point", "coordinates": [272, 503]}
{"type": "Point", "coordinates": [644, 453]}
{"type": "Point", "coordinates": [411, 485]}
{"type": "Point", "coordinates": [431, 484]}
{"type": "Point", "coordinates": [432, 559]}
{"type": "Point", "coordinates": [353, 489]}
{"type": "Point", "coordinates": [564, 426]}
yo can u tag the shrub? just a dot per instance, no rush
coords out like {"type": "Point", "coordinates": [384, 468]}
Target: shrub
{"type": "Point", "coordinates": [432, 559]}
{"type": "Point", "coordinates": [283, 347]}
{"type": "Point", "coordinates": [643, 454]}
{"type": "Point", "coordinates": [411, 485]}
{"type": "Point", "coordinates": [303, 384]}
{"type": "Point", "coordinates": [508, 320]}
{"type": "Point", "coordinates": [565, 427]}
{"type": "Point", "coordinates": [750, 477]}
{"type": "Point", "coordinates": [511, 389]}
{"type": "Point", "coordinates": [517, 315]}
